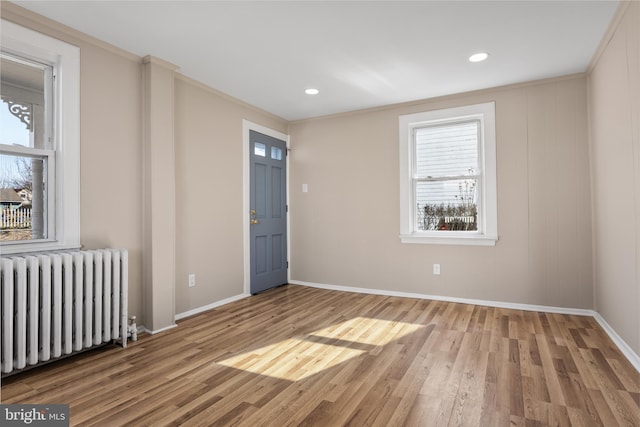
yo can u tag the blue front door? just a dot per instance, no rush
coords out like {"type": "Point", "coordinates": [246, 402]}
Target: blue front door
{"type": "Point", "coordinates": [268, 213]}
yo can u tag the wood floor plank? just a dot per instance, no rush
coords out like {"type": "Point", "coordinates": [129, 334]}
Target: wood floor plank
{"type": "Point", "coordinates": [299, 356]}
{"type": "Point", "coordinates": [467, 409]}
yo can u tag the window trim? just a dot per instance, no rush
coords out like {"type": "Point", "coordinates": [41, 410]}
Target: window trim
{"type": "Point", "coordinates": [487, 233]}
{"type": "Point", "coordinates": [64, 196]}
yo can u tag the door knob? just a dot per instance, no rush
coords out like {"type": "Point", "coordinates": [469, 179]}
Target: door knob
{"type": "Point", "coordinates": [254, 221]}
{"type": "Point", "coordinates": [252, 212]}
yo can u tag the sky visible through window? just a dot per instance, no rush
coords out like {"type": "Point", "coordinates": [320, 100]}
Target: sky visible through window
{"type": "Point", "coordinates": [13, 132]}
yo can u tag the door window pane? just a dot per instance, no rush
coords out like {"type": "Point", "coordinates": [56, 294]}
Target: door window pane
{"type": "Point", "coordinates": [259, 149]}
{"type": "Point", "coordinates": [276, 153]}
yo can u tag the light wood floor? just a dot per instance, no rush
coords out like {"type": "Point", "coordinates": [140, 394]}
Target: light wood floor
{"type": "Point", "coordinates": [304, 356]}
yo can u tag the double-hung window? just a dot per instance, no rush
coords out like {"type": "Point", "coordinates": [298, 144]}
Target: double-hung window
{"type": "Point", "coordinates": [448, 176]}
{"type": "Point", "coordinates": [27, 157]}
{"type": "Point", "coordinates": [39, 142]}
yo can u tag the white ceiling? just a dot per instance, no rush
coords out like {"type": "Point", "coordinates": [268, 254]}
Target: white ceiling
{"type": "Point", "coordinates": [359, 54]}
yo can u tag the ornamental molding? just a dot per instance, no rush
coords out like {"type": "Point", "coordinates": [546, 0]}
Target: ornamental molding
{"type": "Point", "coordinates": [23, 112]}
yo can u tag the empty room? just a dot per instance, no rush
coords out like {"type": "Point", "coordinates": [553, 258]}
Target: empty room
{"type": "Point", "coordinates": [320, 213]}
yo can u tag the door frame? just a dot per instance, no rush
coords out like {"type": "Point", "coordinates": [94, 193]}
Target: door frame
{"type": "Point", "coordinates": [248, 126]}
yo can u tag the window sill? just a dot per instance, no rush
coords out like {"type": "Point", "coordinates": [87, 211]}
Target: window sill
{"type": "Point", "coordinates": [455, 239]}
{"type": "Point", "coordinates": [35, 247]}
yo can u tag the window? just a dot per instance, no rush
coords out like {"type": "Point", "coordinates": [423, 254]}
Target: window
{"type": "Point", "coordinates": [260, 149]}
{"type": "Point", "coordinates": [276, 153]}
{"type": "Point", "coordinates": [448, 176]}
{"type": "Point", "coordinates": [39, 142]}
{"type": "Point", "coordinates": [27, 156]}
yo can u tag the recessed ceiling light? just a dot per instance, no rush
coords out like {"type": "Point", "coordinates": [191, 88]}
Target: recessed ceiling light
{"type": "Point", "coordinates": [312, 91]}
{"type": "Point", "coordinates": [478, 57]}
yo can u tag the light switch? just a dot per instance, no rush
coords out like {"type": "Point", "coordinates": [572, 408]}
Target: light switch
{"type": "Point", "coordinates": [305, 188]}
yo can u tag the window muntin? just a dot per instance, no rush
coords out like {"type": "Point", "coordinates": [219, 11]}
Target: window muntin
{"type": "Point", "coordinates": [448, 176]}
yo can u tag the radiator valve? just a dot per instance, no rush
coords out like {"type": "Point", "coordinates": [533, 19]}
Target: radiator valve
{"type": "Point", "coordinates": [133, 328]}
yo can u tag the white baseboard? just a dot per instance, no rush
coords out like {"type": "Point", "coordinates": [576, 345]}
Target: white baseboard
{"type": "Point", "coordinates": [624, 348]}
{"type": "Point", "coordinates": [157, 331]}
{"type": "Point", "coordinates": [618, 341]}
{"type": "Point", "coordinates": [210, 306]}
{"type": "Point", "coordinates": [497, 304]}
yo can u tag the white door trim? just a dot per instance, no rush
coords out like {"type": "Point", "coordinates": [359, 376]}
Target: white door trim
{"type": "Point", "coordinates": [248, 126]}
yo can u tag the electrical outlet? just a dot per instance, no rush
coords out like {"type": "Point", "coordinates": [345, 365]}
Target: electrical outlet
{"type": "Point", "coordinates": [436, 269]}
{"type": "Point", "coordinates": [192, 280]}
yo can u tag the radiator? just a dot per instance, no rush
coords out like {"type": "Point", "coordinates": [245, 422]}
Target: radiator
{"type": "Point", "coordinates": [57, 304]}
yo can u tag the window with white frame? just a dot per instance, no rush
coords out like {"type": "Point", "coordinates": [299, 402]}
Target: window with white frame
{"type": "Point", "coordinates": [39, 142]}
{"type": "Point", "coordinates": [448, 176]}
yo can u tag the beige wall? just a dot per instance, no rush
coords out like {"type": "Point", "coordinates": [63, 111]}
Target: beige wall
{"type": "Point", "coordinates": [209, 215]}
{"type": "Point", "coordinates": [208, 160]}
{"type": "Point", "coordinates": [614, 101]}
{"type": "Point", "coordinates": [111, 196]}
{"type": "Point", "coordinates": [110, 145]}
{"type": "Point", "coordinates": [345, 230]}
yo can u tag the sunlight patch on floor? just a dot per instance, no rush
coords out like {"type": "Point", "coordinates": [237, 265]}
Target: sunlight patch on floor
{"type": "Point", "coordinates": [297, 358]}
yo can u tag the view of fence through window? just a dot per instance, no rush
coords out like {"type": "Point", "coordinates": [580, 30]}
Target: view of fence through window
{"type": "Point", "coordinates": [447, 178]}
{"type": "Point", "coordinates": [18, 218]}
{"type": "Point", "coordinates": [458, 214]}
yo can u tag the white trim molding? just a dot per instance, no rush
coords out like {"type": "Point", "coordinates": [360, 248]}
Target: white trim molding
{"type": "Point", "coordinates": [211, 306]}
{"type": "Point", "coordinates": [487, 233]}
{"type": "Point", "coordinates": [624, 348]}
{"type": "Point", "coordinates": [157, 331]}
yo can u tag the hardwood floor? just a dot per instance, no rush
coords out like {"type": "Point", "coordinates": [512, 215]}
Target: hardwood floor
{"type": "Point", "coordinates": [311, 357]}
